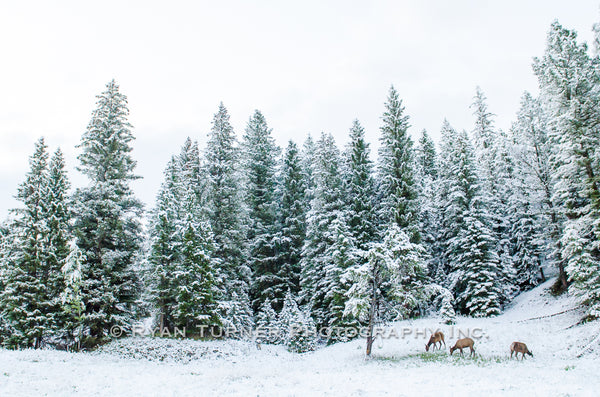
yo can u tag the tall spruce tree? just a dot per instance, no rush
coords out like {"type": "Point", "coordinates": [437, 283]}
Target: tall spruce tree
{"type": "Point", "coordinates": [539, 226]}
{"type": "Point", "coordinates": [427, 175]}
{"type": "Point", "coordinates": [397, 189]}
{"type": "Point", "coordinates": [291, 224]}
{"type": "Point", "coordinates": [493, 153]}
{"type": "Point", "coordinates": [196, 292]}
{"type": "Point", "coordinates": [569, 80]}
{"type": "Point", "coordinates": [326, 206]}
{"type": "Point", "coordinates": [165, 246]}
{"type": "Point", "coordinates": [226, 219]}
{"type": "Point", "coordinates": [360, 189]}
{"type": "Point", "coordinates": [59, 234]}
{"type": "Point", "coordinates": [25, 300]}
{"type": "Point", "coordinates": [183, 284]}
{"type": "Point", "coordinates": [260, 160]}
{"type": "Point", "coordinates": [474, 272]}
{"type": "Point", "coordinates": [34, 253]}
{"type": "Point", "coordinates": [107, 223]}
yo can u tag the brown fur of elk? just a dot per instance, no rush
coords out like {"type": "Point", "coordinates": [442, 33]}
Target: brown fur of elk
{"type": "Point", "coordinates": [519, 347]}
{"type": "Point", "coordinates": [463, 343]}
{"type": "Point", "coordinates": [434, 339]}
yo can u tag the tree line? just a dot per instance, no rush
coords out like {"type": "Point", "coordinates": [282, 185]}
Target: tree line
{"type": "Point", "coordinates": [246, 233]}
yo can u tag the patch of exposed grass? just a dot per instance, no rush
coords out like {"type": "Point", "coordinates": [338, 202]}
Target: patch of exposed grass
{"type": "Point", "coordinates": [443, 357]}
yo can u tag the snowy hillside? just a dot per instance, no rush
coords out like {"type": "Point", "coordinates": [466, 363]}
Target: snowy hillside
{"type": "Point", "coordinates": [154, 367]}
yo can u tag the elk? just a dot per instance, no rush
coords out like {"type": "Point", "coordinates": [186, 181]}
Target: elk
{"type": "Point", "coordinates": [461, 344]}
{"type": "Point", "coordinates": [519, 347]}
{"type": "Point", "coordinates": [435, 338]}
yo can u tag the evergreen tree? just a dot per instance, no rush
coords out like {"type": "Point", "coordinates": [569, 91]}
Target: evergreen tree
{"type": "Point", "coordinates": [25, 301]}
{"type": "Point", "coordinates": [34, 253]}
{"type": "Point", "coordinates": [396, 262]}
{"type": "Point", "coordinates": [493, 155]}
{"type": "Point", "coordinates": [297, 327]}
{"type": "Point", "coordinates": [326, 206]}
{"type": "Point", "coordinates": [195, 289]}
{"type": "Point", "coordinates": [360, 189]}
{"type": "Point", "coordinates": [426, 156]}
{"type": "Point", "coordinates": [57, 219]}
{"type": "Point", "coordinates": [474, 272]}
{"type": "Point", "coordinates": [71, 297]}
{"type": "Point", "coordinates": [529, 246]}
{"type": "Point", "coordinates": [427, 172]}
{"type": "Point", "coordinates": [267, 324]}
{"type": "Point", "coordinates": [569, 81]}
{"type": "Point", "coordinates": [182, 280]}
{"type": "Point", "coordinates": [308, 164]}
{"type": "Point", "coordinates": [539, 225]}
{"type": "Point", "coordinates": [107, 223]}
{"type": "Point", "coordinates": [165, 246]}
{"type": "Point", "coordinates": [397, 188]}
{"type": "Point", "coordinates": [291, 225]}
{"type": "Point", "coordinates": [226, 219]}
{"type": "Point", "coordinates": [341, 256]}
{"type": "Point", "coordinates": [260, 161]}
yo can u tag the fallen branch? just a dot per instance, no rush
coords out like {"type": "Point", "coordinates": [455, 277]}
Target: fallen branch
{"type": "Point", "coordinates": [550, 315]}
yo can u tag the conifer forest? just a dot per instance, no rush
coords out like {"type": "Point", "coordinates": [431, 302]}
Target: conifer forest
{"type": "Point", "coordinates": [313, 235]}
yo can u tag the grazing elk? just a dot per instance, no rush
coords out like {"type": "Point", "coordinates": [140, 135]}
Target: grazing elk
{"type": "Point", "coordinates": [519, 347]}
{"type": "Point", "coordinates": [435, 338]}
{"type": "Point", "coordinates": [461, 344]}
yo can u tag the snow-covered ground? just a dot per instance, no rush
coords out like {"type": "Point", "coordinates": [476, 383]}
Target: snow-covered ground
{"type": "Point", "coordinates": [159, 367]}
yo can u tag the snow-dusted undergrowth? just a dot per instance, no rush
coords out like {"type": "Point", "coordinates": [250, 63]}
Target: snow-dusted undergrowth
{"type": "Point", "coordinates": [146, 366]}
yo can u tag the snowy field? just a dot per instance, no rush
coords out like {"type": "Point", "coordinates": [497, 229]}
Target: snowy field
{"type": "Point", "coordinates": [152, 367]}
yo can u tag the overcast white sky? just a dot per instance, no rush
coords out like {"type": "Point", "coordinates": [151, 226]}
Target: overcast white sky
{"type": "Point", "coordinates": [309, 66]}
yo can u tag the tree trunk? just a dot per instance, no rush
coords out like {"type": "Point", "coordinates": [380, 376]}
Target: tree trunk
{"type": "Point", "coordinates": [542, 274]}
{"type": "Point", "coordinates": [372, 312]}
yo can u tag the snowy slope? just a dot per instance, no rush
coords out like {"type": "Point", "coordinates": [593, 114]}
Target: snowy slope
{"type": "Point", "coordinates": [149, 367]}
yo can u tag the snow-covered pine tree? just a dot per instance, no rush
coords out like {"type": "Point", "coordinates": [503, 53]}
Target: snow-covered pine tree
{"type": "Point", "coordinates": [8, 256]}
{"type": "Point", "coordinates": [539, 225]}
{"type": "Point", "coordinates": [360, 189]}
{"type": "Point", "coordinates": [182, 282]}
{"type": "Point", "coordinates": [397, 188]}
{"type": "Point", "coordinates": [569, 82]}
{"type": "Point", "coordinates": [427, 172]}
{"type": "Point", "coordinates": [449, 223]}
{"type": "Point", "coordinates": [260, 161]}
{"type": "Point", "coordinates": [426, 156]}
{"type": "Point", "coordinates": [307, 161]}
{"type": "Point", "coordinates": [226, 219]}
{"type": "Point", "coordinates": [31, 276]}
{"type": "Point", "coordinates": [267, 325]}
{"type": "Point", "coordinates": [292, 209]}
{"type": "Point", "coordinates": [528, 243]}
{"type": "Point", "coordinates": [390, 284]}
{"type": "Point", "coordinates": [298, 329]}
{"type": "Point", "coordinates": [495, 174]}
{"type": "Point", "coordinates": [24, 297]}
{"type": "Point", "coordinates": [107, 218]}
{"type": "Point", "coordinates": [72, 299]}
{"type": "Point", "coordinates": [58, 223]}
{"type": "Point", "coordinates": [326, 206]}
{"type": "Point", "coordinates": [341, 256]}
{"type": "Point", "coordinates": [196, 292]}
{"type": "Point", "coordinates": [475, 274]}
{"type": "Point", "coordinates": [447, 307]}
{"type": "Point", "coordinates": [165, 246]}
{"type": "Point", "coordinates": [192, 184]}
